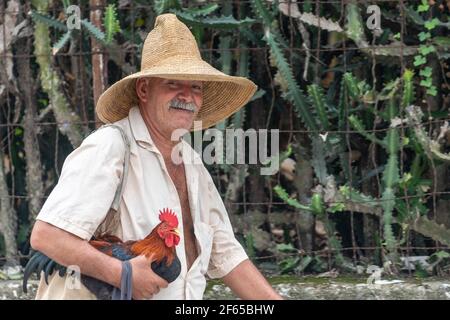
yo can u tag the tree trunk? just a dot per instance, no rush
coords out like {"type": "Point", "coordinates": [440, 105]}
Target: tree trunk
{"type": "Point", "coordinates": [99, 61]}
{"type": "Point", "coordinates": [258, 112]}
{"type": "Point", "coordinates": [370, 223]}
{"type": "Point", "coordinates": [69, 123]}
{"type": "Point", "coordinates": [303, 182]}
{"type": "Point", "coordinates": [8, 218]}
{"type": "Point", "coordinates": [34, 184]}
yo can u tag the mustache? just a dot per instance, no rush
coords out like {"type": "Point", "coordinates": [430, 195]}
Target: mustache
{"type": "Point", "coordinates": [175, 103]}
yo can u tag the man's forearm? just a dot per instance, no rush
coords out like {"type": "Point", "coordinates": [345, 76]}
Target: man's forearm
{"type": "Point", "coordinates": [67, 249]}
{"type": "Point", "coordinates": [249, 284]}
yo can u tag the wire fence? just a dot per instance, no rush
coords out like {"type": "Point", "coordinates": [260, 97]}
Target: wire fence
{"type": "Point", "coordinates": [322, 42]}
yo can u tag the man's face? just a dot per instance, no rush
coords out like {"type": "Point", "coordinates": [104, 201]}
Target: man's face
{"type": "Point", "coordinates": [170, 104]}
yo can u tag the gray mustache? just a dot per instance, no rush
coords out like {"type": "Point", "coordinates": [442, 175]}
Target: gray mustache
{"type": "Point", "coordinates": [175, 103]}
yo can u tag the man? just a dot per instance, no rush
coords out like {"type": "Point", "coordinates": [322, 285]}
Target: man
{"type": "Point", "coordinates": [174, 87]}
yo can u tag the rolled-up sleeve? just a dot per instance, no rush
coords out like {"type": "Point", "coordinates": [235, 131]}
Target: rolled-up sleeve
{"type": "Point", "coordinates": [226, 252]}
{"type": "Point", "coordinates": [86, 187]}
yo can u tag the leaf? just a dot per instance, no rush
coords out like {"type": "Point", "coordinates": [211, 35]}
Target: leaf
{"type": "Point", "coordinates": [441, 255]}
{"type": "Point", "coordinates": [49, 21]}
{"type": "Point", "coordinates": [424, 36]}
{"type": "Point", "coordinates": [93, 30]}
{"type": "Point", "coordinates": [258, 94]}
{"type": "Point", "coordinates": [317, 205]}
{"type": "Point", "coordinates": [419, 60]}
{"type": "Point", "coordinates": [426, 83]}
{"type": "Point", "coordinates": [195, 12]}
{"type": "Point", "coordinates": [320, 22]}
{"type": "Point", "coordinates": [304, 263]}
{"type": "Point", "coordinates": [111, 23]}
{"type": "Point", "coordinates": [337, 207]}
{"type": "Point", "coordinates": [289, 264]}
{"type": "Point", "coordinates": [423, 7]}
{"type": "Point", "coordinates": [286, 248]}
{"type": "Point", "coordinates": [18, 131]}
{"type": "Point", "coordinates": [442, 41]}
{"type": "Point", "coordinates": [317, 99]}
{"type": "Point", "coordinates": [163, 6]}
{"type": "Point", "coordinates": [408, 90]}
{"type": "Point", "coordinates": [222, 22]}
{"type": "Point", "coordinates": [293, 93]}
{"type": "Point", "coordinates": [426, 72]}
{"type": "Point", "coordinates": [139, 22]}
{"type": "Point", "coordinates": [61, 42]}
{"type": "Point", "coordinates": [424, 50]}
{"type": "Point", "coordinates": [430, 25]}
{"type": "Point", "coordinates": [290, 201]}
{"type": "Point", "coordinates": [432, 91]}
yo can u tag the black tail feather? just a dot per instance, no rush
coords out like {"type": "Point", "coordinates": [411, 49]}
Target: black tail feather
{"type": "Point", "coordinates": [49, 268]}
{"type": "Point", "coordinates": [40, 262]}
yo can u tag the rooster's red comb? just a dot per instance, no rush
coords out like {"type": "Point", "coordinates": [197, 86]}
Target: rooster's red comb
{"type": "Point", "coordinates": [169, 216]}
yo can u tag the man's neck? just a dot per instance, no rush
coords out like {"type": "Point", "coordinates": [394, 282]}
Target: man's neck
{"type": "Point", "coordinates": [162, 141]}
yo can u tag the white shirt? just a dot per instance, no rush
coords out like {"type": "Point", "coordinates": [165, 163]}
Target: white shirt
{"type": "Point", "coordinates": [89, 179]}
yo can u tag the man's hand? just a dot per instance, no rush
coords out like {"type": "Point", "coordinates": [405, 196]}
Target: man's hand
{"type": "Point", "coordinates": [146, 283]}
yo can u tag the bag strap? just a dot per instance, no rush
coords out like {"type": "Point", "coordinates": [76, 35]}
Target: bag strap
{"type": "Point", "coordinates": [126, 164]}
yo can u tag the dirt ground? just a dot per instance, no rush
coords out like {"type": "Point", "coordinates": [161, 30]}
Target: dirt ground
{"type": "Point", "coordinates": [302, 288]}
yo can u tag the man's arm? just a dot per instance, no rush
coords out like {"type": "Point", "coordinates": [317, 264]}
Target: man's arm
{"type": "Point", "coordinates": [248, 283]}
{"type": "Point", "coordinates": [68, 249]}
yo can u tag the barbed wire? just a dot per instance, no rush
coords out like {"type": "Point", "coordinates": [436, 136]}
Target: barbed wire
{"type": "Point", "coordinates": [425, 122]}
{"type": "Point", "coordinates": [191, 4]}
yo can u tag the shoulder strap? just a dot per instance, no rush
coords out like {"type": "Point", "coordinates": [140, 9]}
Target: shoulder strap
{"type": "Point", "coordinates": [126, 164]}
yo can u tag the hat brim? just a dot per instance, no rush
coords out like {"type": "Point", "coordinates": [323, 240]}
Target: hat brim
{"type": "Point", "coordinates": [223, 95]}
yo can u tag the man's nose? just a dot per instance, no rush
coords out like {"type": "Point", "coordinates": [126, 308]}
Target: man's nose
{"type": "Point", "coordinates": [186, 93]}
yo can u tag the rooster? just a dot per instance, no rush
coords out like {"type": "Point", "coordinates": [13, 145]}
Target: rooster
{"type": "Point", "coordinates": [160, 244]}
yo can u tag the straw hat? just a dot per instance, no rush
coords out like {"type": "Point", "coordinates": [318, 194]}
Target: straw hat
{"type": "Point", "coordinates": [170, 51]}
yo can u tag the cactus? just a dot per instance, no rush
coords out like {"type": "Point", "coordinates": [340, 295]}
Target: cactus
{"type": "Point", "coordinates": [293, 93]}
{"type": "Point", "coordinates": [431, 147]}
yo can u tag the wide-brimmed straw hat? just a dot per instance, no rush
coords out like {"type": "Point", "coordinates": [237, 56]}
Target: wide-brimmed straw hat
{"type": "Point", "coordinates": [170, 51]}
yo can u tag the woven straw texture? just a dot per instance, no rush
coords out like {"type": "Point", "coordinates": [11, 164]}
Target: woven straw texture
{"type": "Point", "coordinates": [170, 51]}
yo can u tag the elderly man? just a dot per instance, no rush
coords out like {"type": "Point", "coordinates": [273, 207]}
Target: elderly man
{"type": "Point", "coordinates": [174, 88]}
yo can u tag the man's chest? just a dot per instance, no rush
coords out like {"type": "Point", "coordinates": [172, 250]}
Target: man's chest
{"type": "Point", "coordinates": [178, 176]}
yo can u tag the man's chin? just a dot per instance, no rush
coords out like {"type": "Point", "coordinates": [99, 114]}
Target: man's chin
{"type": "Point", "coordinates": [182, 127]}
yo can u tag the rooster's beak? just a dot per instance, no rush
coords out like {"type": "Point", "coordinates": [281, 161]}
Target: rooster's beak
{"type": "Point", "coordinates": [176, 231]}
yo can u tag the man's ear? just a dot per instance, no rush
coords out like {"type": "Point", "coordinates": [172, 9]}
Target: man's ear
{"type": "Point", "coordinates": [142, 87]}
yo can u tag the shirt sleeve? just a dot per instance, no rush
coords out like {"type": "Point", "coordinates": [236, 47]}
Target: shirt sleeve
{"type": "Point", "coordinates": [226, 252]}
{"type": "Point", "coordinates": [89, 179]}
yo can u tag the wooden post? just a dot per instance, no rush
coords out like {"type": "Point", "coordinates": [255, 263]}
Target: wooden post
{"type": "Point", "coordinates": [99, 61]}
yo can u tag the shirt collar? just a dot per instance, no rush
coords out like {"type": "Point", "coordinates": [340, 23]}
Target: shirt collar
{"type": "Point", "coordinates": [142, 136]}
{"type": "Point", "coordinates": [139, 128]}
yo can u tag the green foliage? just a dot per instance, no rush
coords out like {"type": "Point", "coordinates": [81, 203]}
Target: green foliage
{"type": "Point", "coordinates": [62, 41]}
{"type": "Point", "coordinates": [111, 23]}
{"type": "Point", "coordinates": [93, 30]}
{"type": "Point", "coordinates": [222, 22]}
{"type": "Point", "coordinates": [425, 49]}
{"type": "Point", "coordinates": [317, 99]}
{"type": "Point", "coordinates": [164, 6]}
{"type": "Point", "coordinates": [49, 21]}
{"type": "Point", "coordinates": [408, 88]}
{"type": "Point", "coordinates": [280, 192]}
{"type": "Point", "coordinates": [317, 205]}
{"type": "Point", "coordinates": [293, 93]}
{"type": "Point", "coordinates": [250, 245]}
{"type": "Point", "coordinates": [204, 11]}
